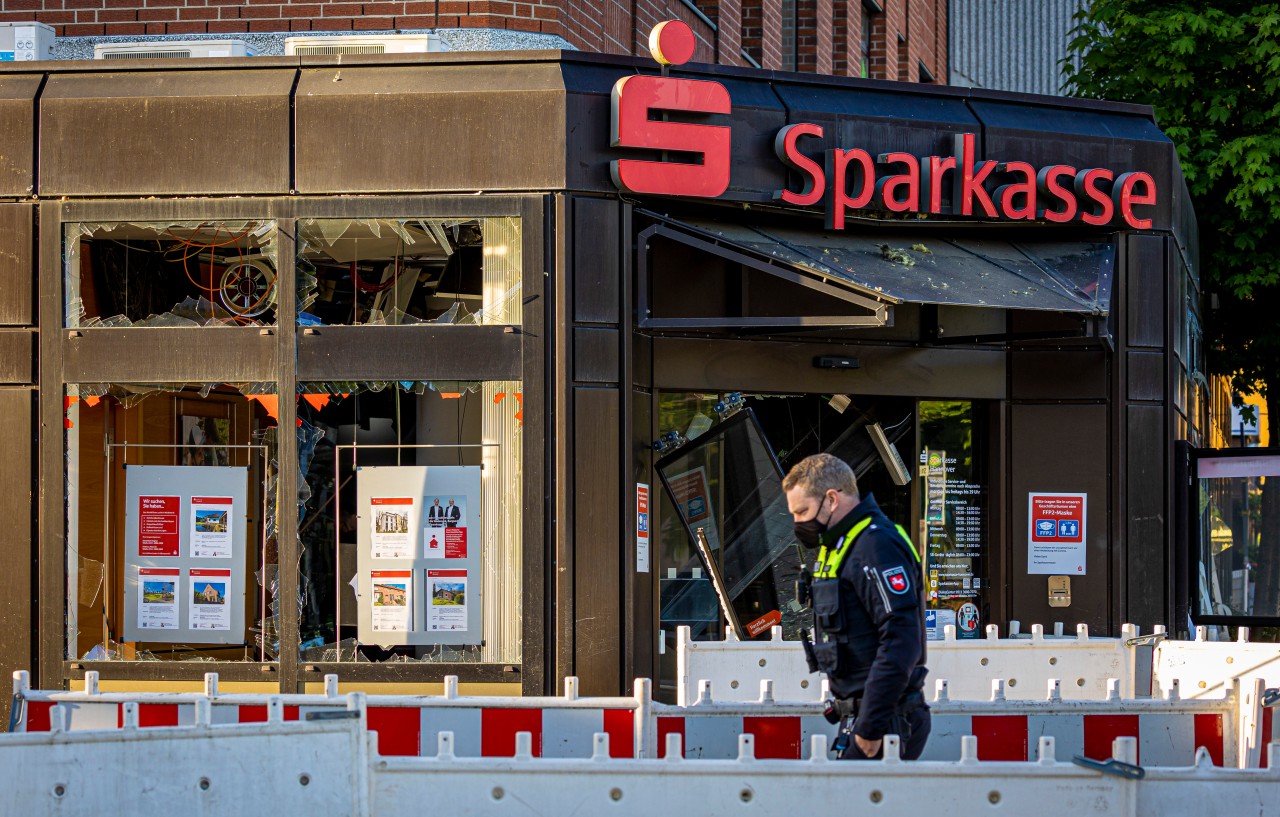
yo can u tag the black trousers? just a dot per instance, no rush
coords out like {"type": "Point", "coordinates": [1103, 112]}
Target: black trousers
{"type": "Point", "coordinates": [913, 729]}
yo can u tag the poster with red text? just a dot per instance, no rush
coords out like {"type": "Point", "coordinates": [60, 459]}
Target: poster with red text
{"type": "Point", "coordinates": [1056, 533]}
{"type": "Point", "coordinates": [445, 534]}
{"type": "Point", "coordinates": [158, 525]}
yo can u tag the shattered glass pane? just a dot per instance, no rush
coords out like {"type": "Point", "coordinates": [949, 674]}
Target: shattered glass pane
{"type": "Point", "coordinates": [151, 274]}
{"type": "Point", "coordinates": [1063, 277]}
{"type": "Point", "coordinates": [405, 272]}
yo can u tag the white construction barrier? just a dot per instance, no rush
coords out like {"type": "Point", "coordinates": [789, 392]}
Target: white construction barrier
{"type": "Point", "coordinates": [327, 767]}
{"type": "Point", "coordinates": [267, 769]}
{"type": "Point", "coordinates": [1085, 665]}
{"type": "Point", "coordinates": [1204, 668]}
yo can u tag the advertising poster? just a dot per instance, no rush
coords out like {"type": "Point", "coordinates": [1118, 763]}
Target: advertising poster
{"type": "Point", "coordinates": [210, 589]}
{"type": "Point", "coordinates": [391, 526]}
{"type": "Point", "coordinates": [446, 600]}
{"type": "Point", "coordinates": [642, 528]}
{"type": "Point", "coordinates": [1056, 534]}
{"type": "Point", "coordinates": [418, 551]}
{"type": "Point", "coordinates": [158, 531]}
{"type": "Point", "coordinates": [446, 531]}
{"type": "Point", "coordinates": [692, 492]}
{"type": "Point", "coordinates": [193, 526]}
{"type": "Point", "coordinates": [211, 522]}
{"type": "Point", "coordinates": [392, 600]}
{"type": "Point", "coordinates": [158, 598]}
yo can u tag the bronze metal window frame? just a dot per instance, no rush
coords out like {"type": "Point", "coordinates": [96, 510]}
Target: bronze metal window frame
{"type": "Point", "coordinates": [275, 354]}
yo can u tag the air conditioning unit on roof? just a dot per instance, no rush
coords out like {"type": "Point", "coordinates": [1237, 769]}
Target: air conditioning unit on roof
{"type": "Point", "coordinates": [172, 49]}
{"type": "Point", "coordinates": [20, 42]}
{"type": "Point", "coordinates": [359, 44]}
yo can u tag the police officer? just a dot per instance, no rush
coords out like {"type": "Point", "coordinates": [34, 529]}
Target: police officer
{"type": "Point", "coordinates": [868, 610]}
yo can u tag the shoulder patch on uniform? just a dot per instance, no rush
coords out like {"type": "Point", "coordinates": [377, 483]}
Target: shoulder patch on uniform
{"type": "Point", "coordinates": [896, 579]}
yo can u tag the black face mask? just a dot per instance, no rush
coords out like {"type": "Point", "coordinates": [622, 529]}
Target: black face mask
{"type": "Point", "coordinates": [809, 531]}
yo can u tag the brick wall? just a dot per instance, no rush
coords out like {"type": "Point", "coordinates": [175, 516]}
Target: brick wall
{"type": "Point", "coordinates": [906, 35]}
{"type": "Point", "coordinates": [762, 31]}
{"type": "Point", "coordinates": [828, 32]}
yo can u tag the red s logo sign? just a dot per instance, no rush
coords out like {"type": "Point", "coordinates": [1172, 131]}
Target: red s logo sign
{"type": "Point", "coordinates": [634, 97]}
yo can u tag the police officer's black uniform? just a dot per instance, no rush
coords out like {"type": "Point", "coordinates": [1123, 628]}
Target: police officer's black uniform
{"type": "Point", "coordinates": [868, 613]}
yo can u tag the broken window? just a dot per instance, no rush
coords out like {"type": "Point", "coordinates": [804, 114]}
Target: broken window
{"type": "Point", "coordinates": [207, 273]}
{"type": "Point", "coordinates": [409, 271]}
{"type": "Point", "coordinates": [410, 521]}
{"type": "Point", "coordinates": [171, 522]}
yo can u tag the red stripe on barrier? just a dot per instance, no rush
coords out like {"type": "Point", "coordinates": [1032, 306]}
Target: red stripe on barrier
{"type": "Point", "coordinates": [1209, 735]}
{"type": "Point", "coordinates": [399, 729]}
{"type": "Point", "coordinates": [775, 737]}
{"type": "Point", "coordinates": [258, 714]}
{"type": "Point", "coordinates": [620, 726]}
{"type": "Point", "coordinates": [670, 726]}
{"type": "Point", "coordinates": [1266, 735]}
{"type": "Point", "coordinates": [498, 728]}
{"type": "Point", "coordinates": [1101, 730]}
{"type": "Point", "coordinates": [1001, 737]}
{"type": "Point", "coordinates": [152, 715]}
{"type": "Point", "coordinates": [38, 715]}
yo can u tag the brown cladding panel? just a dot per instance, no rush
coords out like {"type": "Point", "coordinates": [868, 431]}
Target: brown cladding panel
{"type": "Point", "coordinates": [1145, 297]}
{"type": "Point", "coordinates": [1061, 449]}
{"type": "Point", "coordinates": [696, 364]}
{"type": "Point", "coordinates": [165, 133]}
{"type": "Point", "coordinates": [597, 547]}
{"type": "Point", "coordinates": [155, 355]}
{"type": "Point", "coordinates": [16, 549]}
{"type": "Point", "coordinates": [1146, 375]}
{"type": "Point", "coordinates": [17, 133]}
{"type": "Point", "coordinates": [430, 127]}
{"type": "Point", "coordinates": [595, 355]}
{"type": "Point", "coordinates": [1146, 532]}
{"type": "Point", "coordinates": [17, 356]}
{"type": "Point", "coordinates": [1059, 375]}
{"type": "Point", "coordinates": [17, 262]}
{"type": "Point", "coordinates": [416, 352]}
{"type": "Point", "coordinates": [596, 270]}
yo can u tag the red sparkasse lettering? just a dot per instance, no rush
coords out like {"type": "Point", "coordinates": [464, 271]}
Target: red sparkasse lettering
{"type": "Point", "coordinates": [931, 179]}
{"type": "Point", "coordinates": [970, 179]}
{"type": "Point", "coordinates": [1026, 188]}
{"type": "Point", "coordinates": [1047, 180]}
{"type": "Point", "coordinates": [838, 198]}
{"type": "Point", "coordinates": [1095, 205]}
{"type": "Point", "coordinates": [815, 179]}
{"type": "Point", "coordinates": [1124, 197]}
{"type": "Point", "coordinates": [633, 98]}
{"type": "Point", "coordinates": [888, 185]}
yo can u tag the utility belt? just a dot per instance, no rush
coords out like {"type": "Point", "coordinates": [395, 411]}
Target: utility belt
{"type": "Point", "coordinates": [840, 710]}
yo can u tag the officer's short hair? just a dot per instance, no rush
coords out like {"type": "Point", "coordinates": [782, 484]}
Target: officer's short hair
{"type": "Point", "coordinates": [821, 473]}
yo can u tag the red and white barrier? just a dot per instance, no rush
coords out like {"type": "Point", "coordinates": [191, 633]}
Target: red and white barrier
{"type": "Point", "coordinates": [1203, 669]}
{"type": "Point", "coordinates": [1169, 731]}
{"type": "Point", "coordinates": [403, 724]}
{"type": "Point", "coordinates": [1085, 665]}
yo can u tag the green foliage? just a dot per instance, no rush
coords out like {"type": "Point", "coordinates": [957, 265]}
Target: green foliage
{"type": "Point", "coordinates": [1211, 71]}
